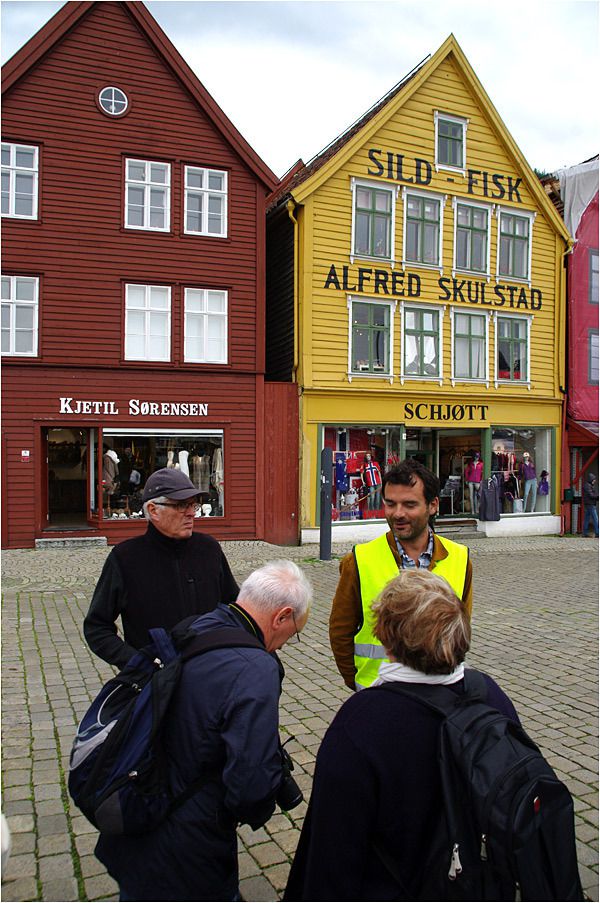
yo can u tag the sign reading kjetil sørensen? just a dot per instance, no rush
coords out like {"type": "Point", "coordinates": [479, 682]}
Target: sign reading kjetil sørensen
{"type": "Point", "coordinates": [136, 407]}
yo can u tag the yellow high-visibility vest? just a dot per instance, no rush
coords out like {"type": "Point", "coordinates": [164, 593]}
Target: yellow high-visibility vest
{"type": "Point", "coordinates": [376, 567]}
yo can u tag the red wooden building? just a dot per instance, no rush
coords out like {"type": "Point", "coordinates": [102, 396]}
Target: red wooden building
{"type": "Point", "coordinates": [132, 286]}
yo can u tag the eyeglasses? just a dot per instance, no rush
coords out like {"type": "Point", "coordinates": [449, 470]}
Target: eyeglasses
{"type": "Point", "coordinates": [297, 640]}
{"type": "Point", "coordinates": [182, 507]}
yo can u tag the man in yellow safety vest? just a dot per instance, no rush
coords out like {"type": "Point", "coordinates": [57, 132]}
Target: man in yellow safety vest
{"type": "Point", "coordinates": [411, 499]}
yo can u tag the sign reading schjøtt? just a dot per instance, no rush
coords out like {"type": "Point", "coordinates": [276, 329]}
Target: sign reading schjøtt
{"type": "Point", "coordinates": [136, 407]}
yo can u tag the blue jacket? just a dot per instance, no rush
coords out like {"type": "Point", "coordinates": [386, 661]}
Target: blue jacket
{"type": "Point", "coordinates": [224, 716]}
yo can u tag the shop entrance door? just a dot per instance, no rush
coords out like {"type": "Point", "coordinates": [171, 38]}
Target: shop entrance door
{"type": "Point", "coordinates": [67, 469]}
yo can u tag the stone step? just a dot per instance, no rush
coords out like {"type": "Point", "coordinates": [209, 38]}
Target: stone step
{"type": "Point", "coordinates": [72, 542]}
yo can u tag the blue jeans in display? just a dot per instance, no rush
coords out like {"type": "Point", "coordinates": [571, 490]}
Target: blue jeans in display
{"type": "Point", "coordinates": [590, 516]}
{"type": "Point", "coordinates": [474, 489]}
{"type": "Point", "coordinates": [374, 498]}
{"type": "Point", "coordinates": [530, 487]}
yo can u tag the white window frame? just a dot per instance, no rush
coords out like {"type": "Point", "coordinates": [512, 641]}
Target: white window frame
{"type": "Point", "coordinates": [205, 315]}
{"type": "Point", "coordinates": [489, 209]}
{"type": "Point", "coordinates": [394, 191]}
{"type": "Point", "coordinates": [206, 193]}
{"type": "Point", "coordinates": [523, 214]}
{"type": "Point", "coordinates": [392, 305]}
{"type": "Point", "coordinates": [105, 102]}
{"type": "Point", "coordinates": [12, 302]}
{"type": "Point", "coordinates": [147, 310]}
{"type": "Point", "coordinates": [520, 383]}
{"type": "Point", "coordinates": [441, 308]}
{"type": "Point", "coordinates": [484, 380]}
{"type": "Point", "coordinates": [460, 120]}
{"type": "Point", "coordinates": [147, 185]}
{"type": "Point", "coordinates": [13, 170]}
{"type": "Point", "coordinates": [442, 198]}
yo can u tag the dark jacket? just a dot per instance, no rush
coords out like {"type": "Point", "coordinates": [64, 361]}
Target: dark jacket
{"type": "Point", "coordinates": [376, 777]}
{"type": "Point", "coordinates": [224, 717]}
{"type": "Point", "coordinates": [590, 493]}
{"type": "Point", "coordinates": [154, 581]}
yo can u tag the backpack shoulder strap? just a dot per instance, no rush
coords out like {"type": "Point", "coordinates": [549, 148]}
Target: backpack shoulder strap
{"type": "Point", "coordinates": [220, 638]}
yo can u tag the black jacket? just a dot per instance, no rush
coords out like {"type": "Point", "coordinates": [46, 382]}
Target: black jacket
{"type": "Point", "coordinates": [154, 581]}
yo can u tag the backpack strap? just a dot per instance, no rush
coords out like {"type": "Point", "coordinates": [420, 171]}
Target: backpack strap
{"type": "Point", "coordinates": [220, 638]}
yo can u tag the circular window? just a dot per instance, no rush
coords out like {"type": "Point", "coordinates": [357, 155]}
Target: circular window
{"type": "Point", "coordinates": [113, 101]}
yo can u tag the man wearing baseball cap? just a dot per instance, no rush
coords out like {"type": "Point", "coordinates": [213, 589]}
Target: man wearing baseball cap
{"type": "Point", "coordinates": [158, 579]}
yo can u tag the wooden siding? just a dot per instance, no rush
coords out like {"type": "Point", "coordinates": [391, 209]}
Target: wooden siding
{"type": "Point", "coordinates": [83, 253]}
{"type": "Point", "coordinates": [327, 230]}
{"type": "Point", "coordinates": [281, 464]}
{"type": "Point", "coordinates": [31, 403]}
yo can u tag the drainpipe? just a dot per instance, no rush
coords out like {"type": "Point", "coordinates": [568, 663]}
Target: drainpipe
{"type": "Point", "coordinates": [290, 207]}
{"type": "Point", "coordinates": [565, 463]}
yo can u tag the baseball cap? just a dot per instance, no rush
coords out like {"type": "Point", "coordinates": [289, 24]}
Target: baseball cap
{"type": "Point", "coordinates": [171, 483]}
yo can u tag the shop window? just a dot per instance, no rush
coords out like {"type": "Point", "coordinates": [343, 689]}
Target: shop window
{"type": "Point", "coordinates": [129, 457]}
{"type": "Point", "coordinates": [593, 357]}
{"type": "Point", "coordinates": [512, 341]}
{"type": "Point", "coordinates": [470, 358]}
{"type": "Point", "coordinates": [147, 195]}
{"type": "Point", "coordinates": [421, 355]}
{"type": "Point", "coordinates": [205, 201]}
{"type": "Point", "coordinates": [373, 210]}
{"type": "Point", "coordinates": [361, 455]}
{"type": "Point", "coordinates": [20, 315]}
{"type": "Point", "coordinates": [19, 181]}
{"type": "Point", "coordinates": [370, 344]}
{"type": "Point", "coordinates": [521, 469]}
{"type": "Point", "coordinates": [593, 278]}
{"type": "Point", "coordinates": [514, 245]}
{"type": "Point", "coordinates": [205, 326]}
{"type": "Point", "coordinates": [147, 323]}
{"type": "Point", "coordinates": [471, 238]}
{"type": "Point", "coordinates": [422, 229]}
{"type": "Point", "coordinates": [450, 141]}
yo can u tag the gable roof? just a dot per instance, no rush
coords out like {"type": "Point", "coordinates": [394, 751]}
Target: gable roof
{"type": "Point", "coordinates": [335, 155]}
{"type": "Point", "coordinates": [68, 17]}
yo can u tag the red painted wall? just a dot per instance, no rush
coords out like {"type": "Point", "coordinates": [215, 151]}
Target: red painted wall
{"type": "Point", "coordinates": [583, 316]}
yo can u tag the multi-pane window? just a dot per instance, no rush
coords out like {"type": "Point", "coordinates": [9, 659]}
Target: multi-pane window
{"type": "Point", "coordinates": [471, 238]}
{"type": "Point", "coordinates": [512, 338]}
{"type": "Point", "coordinates": [513, 246]}
{"type": "Point", "coordinates": [593, 279]}
{"type": "Point", "coordinates": [147, 193]}
{"type": "Point", "coordinates": [421, 353]}
{"type": "Point", "coordinates": [370, 338]}
{"type": "Point", "coordinates": [470, 358]}
{"type": "Point", "coordinates": [593, 357]}
{"type": "Point", "coordinates": [373, 222]}
{"type": "Point", "coordinates": [19, 315]}
{"type": "Point", "coordinates": [422, 229]}
{"type": "Point", "coordinates": [205, 201]}
{"type": "Point", "coordinates": [147, 323]}
{"type": "Point", "coordinates": [205, 326]}
{"type": "Point", "coordinates": [450, 141]}
{"type": "Point", "coordinates": [19, 181]}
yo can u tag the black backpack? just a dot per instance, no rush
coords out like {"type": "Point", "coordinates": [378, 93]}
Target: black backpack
{"type": "Point", "coordinates": [508, 827]}
{"type": "Point", "coordinates": [117, 771]}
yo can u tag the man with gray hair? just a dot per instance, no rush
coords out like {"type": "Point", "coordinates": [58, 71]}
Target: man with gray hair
{"type": "Point", "coordinates": [223, 722]}
{"type": "Point", "coordinates": [160, 578]}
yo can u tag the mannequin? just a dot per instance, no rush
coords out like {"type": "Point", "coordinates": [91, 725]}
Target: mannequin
{"type": "Point", "coordinates": [110, 469]}
{"type": "Point", "coordinates": [371, 477]}
{"type": "Point", "coordinates": [170, 457]}
{"type": "Point", "coordinates": [473, 476]}
{"type": "Point", "coordinates": [528, 475]}
{"type": "Point", "coordinates": [183, 462]}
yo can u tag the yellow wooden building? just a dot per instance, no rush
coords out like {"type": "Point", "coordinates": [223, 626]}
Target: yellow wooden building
{"type": "Point", "coordinates": [415, 294]}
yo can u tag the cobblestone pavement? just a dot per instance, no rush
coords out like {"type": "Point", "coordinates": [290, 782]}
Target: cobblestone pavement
{"type": "Point", "coordinates": [535, 631]}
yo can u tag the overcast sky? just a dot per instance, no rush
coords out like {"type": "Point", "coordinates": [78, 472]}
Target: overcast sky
{"type": "Point", "coordinates": [293, 75]}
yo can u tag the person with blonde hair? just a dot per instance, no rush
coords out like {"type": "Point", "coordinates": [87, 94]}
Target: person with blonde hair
{"type": "Point", "coordinates": [376, 784]}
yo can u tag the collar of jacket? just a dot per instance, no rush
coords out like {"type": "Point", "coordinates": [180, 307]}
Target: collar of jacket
{"type": "Point", "coordinates": [175, 547]}
{"type": "Point", "coordinates": [246, 620]}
